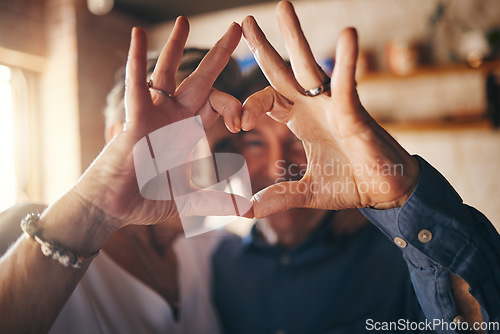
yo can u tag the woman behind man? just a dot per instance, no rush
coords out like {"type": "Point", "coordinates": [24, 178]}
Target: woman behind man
{"type": "Point", "coordinates": [149, 278]}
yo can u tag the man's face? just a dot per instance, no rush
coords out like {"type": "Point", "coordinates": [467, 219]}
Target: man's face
{"type": "Point", "coordinates": [273, 154]}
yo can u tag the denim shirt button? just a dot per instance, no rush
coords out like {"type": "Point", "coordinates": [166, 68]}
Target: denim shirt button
{"type": "Point", "coordinates": [400, 242]}
{"type": "Point", "coordinates": [458, 319]}
{"type": "Point", "coordinates": [424, 236]}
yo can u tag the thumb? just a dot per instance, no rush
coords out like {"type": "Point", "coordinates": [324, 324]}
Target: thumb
{"type": "Point", "coordinates": [279, 197]}
{"type": "Point", "coordinates": [197, 210]}
{"type": "Point", "coordinates": [208, 202]}
{"type": "Point", "coordinates": [224, 104]}
{"type": "Point", "coordinates": [268, 101]}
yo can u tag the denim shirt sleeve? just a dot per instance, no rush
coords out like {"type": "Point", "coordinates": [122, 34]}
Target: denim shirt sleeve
{"type": "Point", "coordinates": [459, 239]}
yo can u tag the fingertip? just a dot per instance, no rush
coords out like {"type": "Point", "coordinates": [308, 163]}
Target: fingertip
{"type": "Point", "coordinates": [232, 36]}
{"type": "Point", "coordinates": [244, 119]}
{"type": "Point", "coordinates": [237, 124]}
{"type": "Point", "coordinates": [350, 33]}
{"type": "Point", "coordinates": [182, 20]}
{"type": "Point", "coordinates": [235, 116]}
{"type": "Point", "coordinates": [244, 205]}
{"type": "Point", "coordinates": [247, 124]}
{"type": "Point", "coordinates": [259, 211]}
{"type": "Point", "coordinates": [246, 127]}
{"type": "Point", "coordinates": [247, 24]}
{"type": "Point", "coordinates": [278, 197]}
{"type": "Point", "coordinates": [255, 200]}
{"type": "Point", "coordinates": [230, 127]}
{"type": "Point", "coordinates": [235, 29]}
{"type": "Point", "coordinates": [138, 44]}
{"type": "Point", "coordinates": [247, 20]}
{"type": "Point", "coordinates": [346, 56]}
{"type": "Point", "coordinates": [249, 214]}
{"type": "Point", "coordinates": [284, 4]}
{"type": "Point", "coordinates": [283, 7]}
{"type": "Point", "coordinates": [236, 26]}
{"type": "Point", "coordinates": [247, 119]}
{"type": "Point", "coordinates": [182, 25]}
{"type": "Point", "coordinates": [137, 32]}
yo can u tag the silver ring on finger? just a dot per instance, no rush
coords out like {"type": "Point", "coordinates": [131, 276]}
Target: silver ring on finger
{"type": "Point", "coordinates": [325, 86]}
{"type": "Point", "coordinates": [151, 88]}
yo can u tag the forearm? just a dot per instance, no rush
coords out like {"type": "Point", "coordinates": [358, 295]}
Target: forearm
{"type": "Point", "coordinates": [439, 235]}
{"type": "Point", "coordinates": [33, 287]}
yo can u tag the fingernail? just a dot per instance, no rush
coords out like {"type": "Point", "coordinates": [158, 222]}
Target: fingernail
{"type": "Point", "coordinates": [244, 121]}
{"type": "Point", "coordinates": [237, 124]}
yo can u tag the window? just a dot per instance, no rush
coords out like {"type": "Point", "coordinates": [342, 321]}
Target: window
{"type": "Point", "coordinates": [8, 183]}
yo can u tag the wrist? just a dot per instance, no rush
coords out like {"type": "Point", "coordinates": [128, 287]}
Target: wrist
{"type": "Point", "coordinates": [76, 224]}
{"type": "Point", "coordinates": [409, 182]}
{"type": "Point", "coordinates": [397, 203]}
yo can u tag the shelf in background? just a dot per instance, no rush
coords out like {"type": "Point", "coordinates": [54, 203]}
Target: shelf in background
{"type": "Point", "coordinates": [430, 98]}
{"type": "Point", "coordinates": [434, 71]}
{"type": "Point", "coordinates": [477, 123]}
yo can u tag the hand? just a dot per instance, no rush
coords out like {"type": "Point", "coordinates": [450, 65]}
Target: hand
{"type": "Point", "coordinates": [110, 184]}
{"type": "Point", "coordinates": [352, 161]}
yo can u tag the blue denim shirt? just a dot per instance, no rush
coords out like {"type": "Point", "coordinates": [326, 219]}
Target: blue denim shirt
{"type": "Point", "coordinates": [462, 241]}
{"type": "Point", "coordinates": [360, 282]}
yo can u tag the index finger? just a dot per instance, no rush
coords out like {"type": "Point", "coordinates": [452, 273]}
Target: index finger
{"type": "Point", "coordinates": [277, 72]}
{"type": "Point", "coordinates": [201, 80]}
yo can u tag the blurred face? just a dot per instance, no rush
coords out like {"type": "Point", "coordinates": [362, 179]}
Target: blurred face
{"type": "Point", "coordinates": [273, 154]}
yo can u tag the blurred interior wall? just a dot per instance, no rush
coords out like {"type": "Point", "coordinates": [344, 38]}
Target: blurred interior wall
{"type": "Point", "coordinates": [77, 55]}
{"type": "Point", "coordinates": [468, 158]}
{"type": "Point", "coordinates": [377, 22]}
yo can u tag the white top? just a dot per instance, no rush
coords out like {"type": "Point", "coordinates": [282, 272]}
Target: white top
{"type": "Point", "coordinates": [110, 300]}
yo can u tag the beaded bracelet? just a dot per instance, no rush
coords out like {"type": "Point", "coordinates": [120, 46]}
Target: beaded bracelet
{"type": "Point", "coordinates": [50, 249]}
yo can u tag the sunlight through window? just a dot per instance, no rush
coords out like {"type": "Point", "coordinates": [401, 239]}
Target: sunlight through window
{"type": "Point", "coordinates": [7, 171]}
